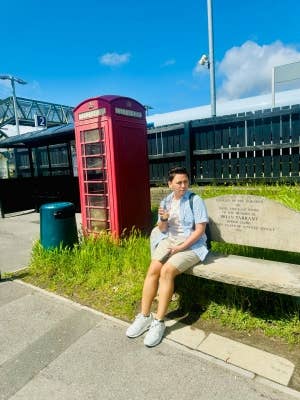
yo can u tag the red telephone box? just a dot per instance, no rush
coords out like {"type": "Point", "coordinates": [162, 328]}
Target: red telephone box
{"type": "Point", "coordinates": [113, 168]}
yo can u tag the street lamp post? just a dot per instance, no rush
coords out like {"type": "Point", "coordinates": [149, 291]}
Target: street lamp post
{"type": "Point", "coordinates": [147, 108]}
{"type": "Point", "coordinates": [209, 60]}
{"type": "Point", "coordinates": [12, 80]}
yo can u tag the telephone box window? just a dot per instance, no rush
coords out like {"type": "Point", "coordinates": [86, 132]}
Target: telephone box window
{"type": "Point", "coordinates": [95, 162]}
{"type": "Point", "coordinates": [97, 226]}
{"type": "Point", "coordinates": [95, 175]}
{"type": "Point", "coordinates": [93, 149]}
{"type": "Point", "coordinates": [99, 188]}
{"type": "Point", "coordinates": [92, 135]}
{"type": "Point", "coordinates": [97, 213]}
{"type": "Point", "coordinates": [96, 201]}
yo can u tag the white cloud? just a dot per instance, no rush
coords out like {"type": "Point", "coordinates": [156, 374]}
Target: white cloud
{"type": "Point", "coordinates": [247, 70]}
{"type": "Point", "coordinates": [167, 63]}
{"type": "Point", "coordinates": [114, 59]}
{"type": "Point", "coordinates": [199, 69]}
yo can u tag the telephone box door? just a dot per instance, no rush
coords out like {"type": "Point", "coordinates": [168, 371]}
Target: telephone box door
{"type": "Point", "coordinates": [93, 179]}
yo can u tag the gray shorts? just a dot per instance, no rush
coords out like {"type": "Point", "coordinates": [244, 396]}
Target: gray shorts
{"type": "Point", "coordinates": [181, 261]}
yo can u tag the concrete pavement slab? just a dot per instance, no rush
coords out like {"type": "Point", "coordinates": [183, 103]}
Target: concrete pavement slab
{"type": "Point", "coordinates": [20, 369]}
{"type": "Point", "coordinates": [7, 294]}
{"type": "Point", "coordinates": [104, 364]}
{"type": "Point", "coordinates": [184, 334]}
{"type": "Point", "coordinates": [268, 365]}
{"type": "Point", "coordinates": [17, 233]}
{"type": "Point", "coordinates": [26, 319]}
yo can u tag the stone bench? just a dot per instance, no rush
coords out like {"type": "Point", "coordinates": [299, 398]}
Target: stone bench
{"type": "Point", "coordinates": [257, 222]}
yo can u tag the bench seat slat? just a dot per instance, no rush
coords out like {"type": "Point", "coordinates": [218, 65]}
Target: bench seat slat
{"type": "Point", "coordinates": [272, 276]}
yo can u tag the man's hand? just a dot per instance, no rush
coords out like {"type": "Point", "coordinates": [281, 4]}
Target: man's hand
{"type": "Point", "coordinates": [175, 249]}
{"type": "Point", "coordinates": [163, 213]}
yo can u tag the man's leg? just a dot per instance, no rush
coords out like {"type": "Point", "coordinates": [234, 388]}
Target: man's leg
{"type": "Point", "coordinates": [166, 289]}
{"type": "Point", "coordinates": [150, 286]}
{"type": "Point", "coordinates": [143, 321]}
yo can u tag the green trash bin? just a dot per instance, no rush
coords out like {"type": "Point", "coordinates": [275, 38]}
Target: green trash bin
{"type": "Point", "coordinates": [58, 225]}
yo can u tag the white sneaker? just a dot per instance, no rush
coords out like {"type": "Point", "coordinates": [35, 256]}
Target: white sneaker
{"type": "Point", "coordinates": [140, 325]}
{"type": "Point", "coordinates": [155, 334]}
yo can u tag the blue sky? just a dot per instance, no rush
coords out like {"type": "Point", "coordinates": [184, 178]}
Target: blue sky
{"type": "Point", "coordinates": [69, 51]}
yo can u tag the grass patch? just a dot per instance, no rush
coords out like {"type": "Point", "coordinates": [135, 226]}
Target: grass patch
{"type": "Point", "coordinates": [239, 308]}
{"type": "Point", "coordinates": [100, 272]}
{"type": "Point", "coordinates": [108, 275]}
{"type": "Point", "coordinates": [289, 195]}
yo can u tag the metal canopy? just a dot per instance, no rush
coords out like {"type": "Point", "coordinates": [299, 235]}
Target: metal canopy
{"type": "Point", "coordinates": [2, 134]}
{"type": "Point", "coordinates": [55, 114]}
{"type": "Point", "coordinates": [56, 134]}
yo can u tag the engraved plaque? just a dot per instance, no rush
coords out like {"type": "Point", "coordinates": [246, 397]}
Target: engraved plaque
{"type": "Point", "coordinates": [254, 221]}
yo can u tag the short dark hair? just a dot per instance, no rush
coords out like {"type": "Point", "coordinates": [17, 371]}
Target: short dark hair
{"type": "Point", "coordinates": [177, 170]}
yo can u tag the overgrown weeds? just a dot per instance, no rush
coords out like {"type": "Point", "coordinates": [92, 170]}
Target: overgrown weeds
{"type": "Point", "coordinates": [100, 271]}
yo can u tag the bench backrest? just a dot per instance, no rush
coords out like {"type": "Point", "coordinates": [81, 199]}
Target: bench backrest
{"type": "Point", "coordinates": [253, 221]}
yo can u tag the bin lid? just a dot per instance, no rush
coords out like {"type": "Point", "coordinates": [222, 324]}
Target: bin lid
{"type": "Point", "coordinates": [57, 205]}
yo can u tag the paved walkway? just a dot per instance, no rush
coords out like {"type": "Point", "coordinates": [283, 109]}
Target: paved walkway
{"type": "Point", "coordinates": [53, 348]}
{"type": "Point", "coordinates": [17, 233]}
